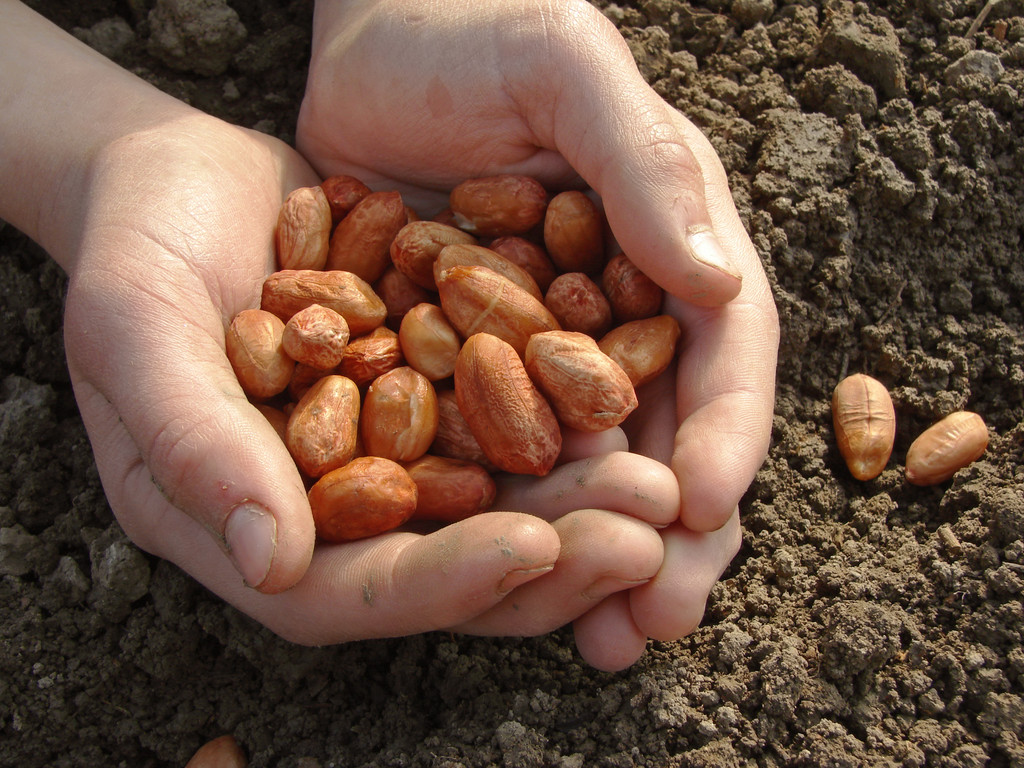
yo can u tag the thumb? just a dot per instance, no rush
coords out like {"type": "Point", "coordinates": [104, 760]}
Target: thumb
{"type": "Point", "coordinates": [655, 201]}
{"type": "Point", "coordinates": [637, 153]}
{"type": "Point", "coordinates": [172, 432]}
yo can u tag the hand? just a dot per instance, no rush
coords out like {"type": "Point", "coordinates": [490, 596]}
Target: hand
{"type": "Point", "coordinates": [193, 471]}
{"type": "Point", "coordinates": [163, 217]}
{"type": "Point", "coordinates": [418, 96]}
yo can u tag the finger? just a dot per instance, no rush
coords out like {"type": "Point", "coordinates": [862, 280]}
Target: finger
{"type": "Point", "coordinates": [651, 427]}
{"type": "Point", "coordinates": [607, 637]}
{"type": "Point", "coordinates": [636, 151]}
{"type": "Point", "coordinates": [601, 553]}
{"type": "Point", "coordinates": [724, 402]}
{"type": "Point", "coordinates": [401, 584]}
{"type": "Point", "coordinates": [390, 585]}
{"type": "Point", "coordinates": [577, 444]}
{"type": "Point", "coordinates": [671, 605]}
{"type": "Point", "coordinates": [623, 482]}
{"type": "Point", "coordinates": [260, 521]}
{"type": "Point", "coordinates": [157, 393]}
{"type": "Point", "coordinates": [726, 372]}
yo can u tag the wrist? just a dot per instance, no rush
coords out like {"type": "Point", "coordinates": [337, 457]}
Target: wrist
{"type": "Point", "coordinates": [61, 104]}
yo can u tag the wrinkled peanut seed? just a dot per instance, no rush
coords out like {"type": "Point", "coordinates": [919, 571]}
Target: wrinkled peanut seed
{"type": "Point", "coordinates": [367, 496]}
{"type": "Point", "coordinates": [586, 388]}
{"type": "Point", "coordinates": [399, 417]}
{"type": "Point", "coordinates": [479, 300]}
{"type": "Point", "coordinates": [254, 349]}
{"type": "Point", "coordinates": [321, 430]}
{"type": "Point", "coordinates": [578, 304]}
{"type": "Point", "coordinates": [289, 290]}
{"type": "Point", "coordinates": [303, 230]}
{"type": "Point", "coordinates": [367, 357]}
{"type": "Point", "coordinates": [316, 336]}
{"type": "Point", "coordinates": [945, 447]}
{"type": "Point", "coordinates": [477, 255]}
{"type": "Point", "coordinates": [865, 424]}
{"type": "Point", "coordinates": [417, 246]}
{"type": "Point", "coordinates": [507, 415]}
{"type": "Point", "coordinates": [631, 293]}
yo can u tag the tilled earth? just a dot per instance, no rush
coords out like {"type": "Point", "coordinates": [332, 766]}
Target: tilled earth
{"type": "Point", "coordinates": [876, 152]}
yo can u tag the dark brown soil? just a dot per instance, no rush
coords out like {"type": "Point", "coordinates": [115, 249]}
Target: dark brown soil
{"type": "Point", "coordinates": [877, 156]}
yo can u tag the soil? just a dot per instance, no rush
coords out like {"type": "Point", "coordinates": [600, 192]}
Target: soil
{"type": "Point", "coordinates": [876, 152]}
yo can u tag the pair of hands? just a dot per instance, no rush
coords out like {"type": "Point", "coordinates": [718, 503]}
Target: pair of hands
{"type": "Point", "coordinates": [626, 538]}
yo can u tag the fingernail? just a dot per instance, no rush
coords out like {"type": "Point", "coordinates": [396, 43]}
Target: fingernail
{"type": "Point", "coordinates": [251, 536]}
{"type": "Point", "coordinates": [707, 249]}
{"type": "Point", "coordinates": [609, 585]}
{"type": "Point", "coordinates": [516, 578]}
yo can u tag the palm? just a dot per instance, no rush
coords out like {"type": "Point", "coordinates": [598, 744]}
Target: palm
{"type": "Point", "coordinates": [175, 242]}
{"type": "Point", "coordinates": [473, 111]}
{"type": "Point", "coordinates": [552, 91]}
{"type": "Point", "coordinates": [161, 271]}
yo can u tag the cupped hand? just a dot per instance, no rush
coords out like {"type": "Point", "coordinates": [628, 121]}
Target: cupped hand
{"type": "Point", "coordinates": [175, 239]}
{"type": "Point", "coordinates": [420, 95]}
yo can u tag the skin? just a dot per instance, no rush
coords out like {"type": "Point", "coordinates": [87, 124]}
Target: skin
{"type": "Point", "coordinates": [550, 90]}
{"type": "Point", "coordinates": [163, 217]}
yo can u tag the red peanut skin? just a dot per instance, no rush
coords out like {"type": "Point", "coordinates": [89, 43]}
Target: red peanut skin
{"type": "Point", "coordinates": [450, 490]}
{"type": "Point", "coordinates": [643, 348]}
{"type": "Point", "coordinates": [574, 233]}
{"type": "Point", "coordinates": [322, 428]}
{"type": "Point", "coordinates": [343, 194]}
{"type": "Point", "coordinates": [370, 356]}
{"type": "Point", "coordinates": [417, 246]}
{"type": "Point", "coordinates": [399, 415]}
{"type": "Point", "coordinates": [254, 348]}
{"type": "Point", "coordinates": [316, 336]}
{"type": "Point", "coordinates": [288, 291]}
{"type": "Point", "coordinates": [429, 343]}
{"type": "Point", "coordinates": [528, 255]}
{"type": "Point", "coordinates": [479, 256]}
{"type": "Point", "coordinates": [508, 416]}
{"type": "Point", "coordinates": [578, 304]}
{"type": "Point", "coordinates": [361, 243]}
{"type": "Point", "coordinates": [631, 294]}
{"type": "Point", "coordinates": [586, 388]}
{"type": "Point", "coordinates": [478, 299]}
{"type": "Point", "coordinates": [454, 439]}
{"type": "Point", "coordinates": [400, 294]}
{"type": "Point", "coordinates": [368, 496]}
{"type": "Point", "coordinates": [946, 447]}
{"type": "Point", "coordinates": [303, 231]}
{"type": "Point", "coordinates": [495, 206]}
{"type": "Point", "coordinates": [864, 421]}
